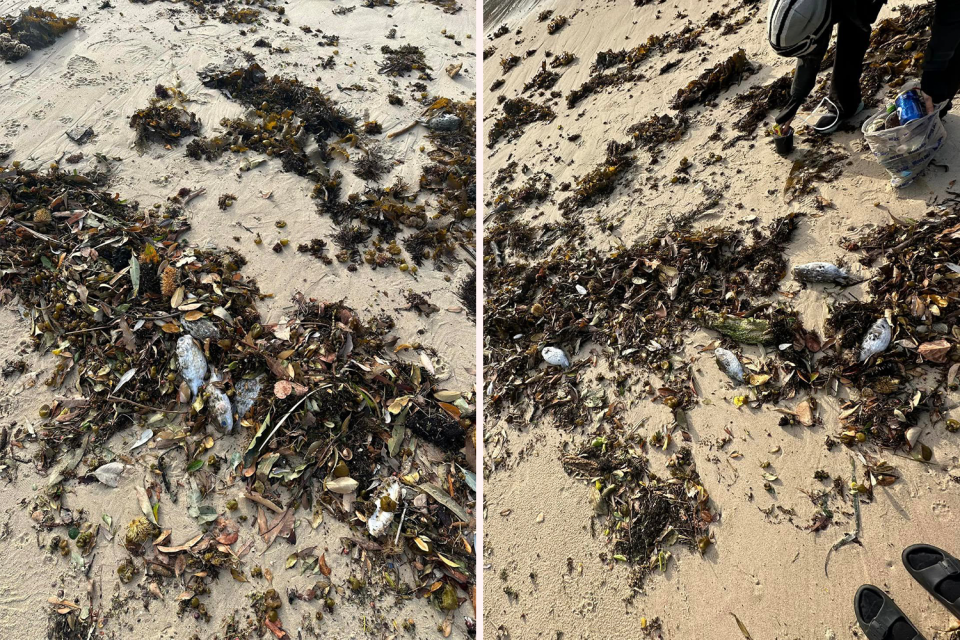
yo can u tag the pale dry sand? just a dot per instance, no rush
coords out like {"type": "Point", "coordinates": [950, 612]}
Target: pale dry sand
{"type": "Point", "coordinates": [97, 76]}
{"type": "Point", "coordinates": [765, 569]}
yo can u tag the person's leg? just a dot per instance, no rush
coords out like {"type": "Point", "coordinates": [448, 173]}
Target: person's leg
{"type": "Point", "coordinates": [852, 45]}
{"type": "Point", "coordinates": [804, 80]}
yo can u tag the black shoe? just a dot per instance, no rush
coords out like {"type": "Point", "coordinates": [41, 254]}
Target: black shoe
{"type": "Point", "coordinates": [830, 122]}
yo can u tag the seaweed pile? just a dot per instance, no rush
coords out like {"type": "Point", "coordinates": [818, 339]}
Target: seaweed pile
{"type": "Point", "coordinates": [760, 100]}
{"type": "Point", "coordinates": [563, 59]}
{"type": "Point", "coordinates": [135, 317]}
{"type": "Point", "coordinates": [542, 81]}
{"type": "Point", "coordinates": [602, 180]}
{"type": "Point", "coordinates": [649, 134]}
{"type": "Point", "coordinates": [557, 24]}
{"type": "Point", "coordinates": [636, 302]}
{"type": "Point", "coordinates": [711, 82]}
{"type": "Point", "coordinates": [403, 60]}
{"type": "Point", "coordinates": [289, 111]}
{"type": "Point", "coordinates": [644, 513]}
{"type": "Point", "coordinates": [164, 121]}
{"type": "Point", "coordinates": [517, 114]}
{"type": "Point", "coordinates": [32, 29]}
{"type": "Point", "coordinates": [627, 62]}
{"type": "Point", "coordinates": [243, 12]}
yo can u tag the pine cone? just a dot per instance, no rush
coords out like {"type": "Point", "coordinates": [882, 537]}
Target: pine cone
{"type": "Point", "coordinates": [168, 282]}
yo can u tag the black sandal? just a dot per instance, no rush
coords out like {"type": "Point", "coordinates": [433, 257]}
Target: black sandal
{"type": "Point", "coordinates": [937, 571]}
{"type": "Point", "coordinates": [880, 618]}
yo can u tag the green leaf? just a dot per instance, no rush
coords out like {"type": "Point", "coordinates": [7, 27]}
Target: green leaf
{"type": "Point", "coordinates": [195, 465]}
{"type": "Point", "coordinates": [135, 273]}
{"type": "Point", "coordinates": [440, 496]}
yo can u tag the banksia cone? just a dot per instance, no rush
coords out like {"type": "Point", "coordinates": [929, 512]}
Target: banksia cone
{"type": "Point", "coordinates": [42, 216]}
{"type": "Point", "coordinates": [168, 282]}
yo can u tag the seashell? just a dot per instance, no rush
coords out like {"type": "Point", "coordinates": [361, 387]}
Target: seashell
{"type": "Point", "coordinates": [202, 329]}
{"type": "Point", "coordinates": [444, 122]}
{"type": "Point", "coordinates": [729, 364]}
{"type": "Point", "coordinates": [877, 339]}
{"type": "Point", "coordinates": [247, 392]}
{"type": "Point", "coordinates": [220, 405]}
{"type": "Point", "coordinates": [388, 496]}
{"type": "Point", "coordinates": [193, 366]}
{"type": "Point", "coordinates": [556, 357]}
{"type": "Point", "coordinates": [822, 272]}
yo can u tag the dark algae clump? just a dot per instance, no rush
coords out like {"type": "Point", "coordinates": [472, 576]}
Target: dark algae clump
{"type": "Point", "coordinates": [33, 29]}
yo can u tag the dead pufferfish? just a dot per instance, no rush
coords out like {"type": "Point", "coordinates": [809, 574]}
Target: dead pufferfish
{"type": "Point", "coordinates": [821, 272]}
{"type": "Point", "coordinates": [555, 357]}
{"type": "Point", "coordinates": [877, 339]}
{"type": "Point", "coordinates": [193, 366]}
{"type": "Point", "coordinates": [729, 364]}
{"type": "Point", "coordinates": [220, 405]}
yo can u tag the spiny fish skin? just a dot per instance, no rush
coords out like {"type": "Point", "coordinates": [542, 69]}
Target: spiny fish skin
{"type": "Point", "coordinates": [820, 272]}
{"type": "Point", "coordinates": [247, 392]}
{"type": "Point", "coordinates": [220, 404]}
{"type": "Point", "coordinates": [877, 339]}
{"type": "Point", "coordinates": [192, 363]}
{"type": "Point", "coordinates": [445, 122]}
{"type": "Point", "coordinates": [729, 364]}
{"type": "Point", "coordinates": [556, 357]}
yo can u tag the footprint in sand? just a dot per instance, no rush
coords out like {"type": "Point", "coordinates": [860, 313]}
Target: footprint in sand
{"type": "Point", "coordinates": [942, 511]}
{"type": "Point", "coordinates": [80, 70]}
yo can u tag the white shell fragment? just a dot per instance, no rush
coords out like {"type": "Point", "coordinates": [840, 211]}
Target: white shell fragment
{"type": "Point", "coordinates": [556, 357]}
{"type": "Point", "coordinates": [193, 366]}
{"type": "Point", "coordinates": [220, 405]}
{"type": "Point", "coordinates": [821, 272]}
{"type": "Point", "coordinates": [877, 339]}
{"type": "Point", "coordinates": [380, 521]}
{"type": "Point", "coordinates": [729, 364]}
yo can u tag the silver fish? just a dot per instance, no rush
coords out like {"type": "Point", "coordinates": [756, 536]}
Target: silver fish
{"type": "Point", "coordinates": [822, 272]}
{"type": "Point", "coordinates": [193, 366]}
{"type": "Point", "coordinates": [220, 405]}
{"type": "Point", "coordinates": [247, 392]}
{"type": "Point", "coordinates": [556, 357]}
{"type": "Point", "coordinates": [877, 339]}
{"type": "Point", "coordinates": [444, 122]}
{"type": "Point", "coordinates": [202, 329]}
{"type": "Point", "coordinates": [729, 364]}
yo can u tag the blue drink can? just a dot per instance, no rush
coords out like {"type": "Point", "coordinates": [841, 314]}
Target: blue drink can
{"type": "Point", "coordinates": [909, 106]}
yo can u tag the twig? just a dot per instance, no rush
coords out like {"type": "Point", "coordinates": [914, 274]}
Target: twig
{"type": "Point", "coordinates": [854, 536]}
{"type": "Point", "coordinates": [143, 406]}
{"type": "Point", "coordinates": [400, 527]}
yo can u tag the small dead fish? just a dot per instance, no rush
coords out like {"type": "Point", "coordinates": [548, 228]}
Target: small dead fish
{"type": "Point", "coordinates": [193, 366]}
{"type": "Point", "coordinates": [444, 122]}
{"type": "Point", "coordinates": [729, 364]}
{"type": "Point", "coordinates": [821, 272]}
{"type": "Point", "coordinates": [877, 339]}
{"type": "Point", "coordinates": [388, 495]}
{"type": "Point", "coordinates": [556, 357]}
{"type": "Point", "coordinates": [202, 329]}
{"type": "Point", "coordinates": [220, 405]}
{"type": "Point", "coordinates": [247, 392]}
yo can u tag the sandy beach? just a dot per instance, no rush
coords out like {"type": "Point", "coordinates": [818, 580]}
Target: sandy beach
{"type": "Point", "coordinates": [551, 561]}
{"type": "Point", "coordinates": [96, 77]}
